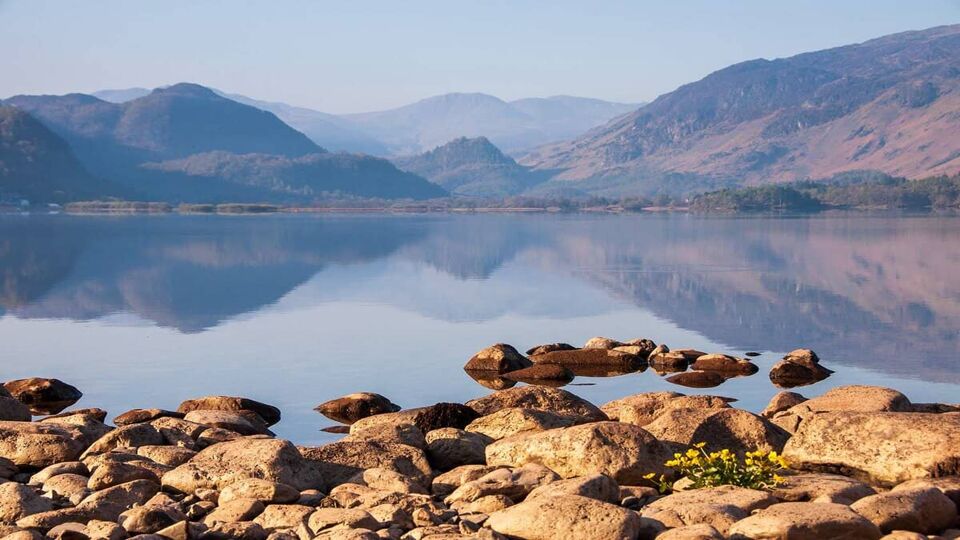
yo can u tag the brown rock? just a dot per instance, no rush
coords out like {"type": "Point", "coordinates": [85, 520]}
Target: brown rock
{"type": "Point", "coordinates": [140, 416]}
{"type": "Point", "coordinates": [14, 411]}
{"type": "Point", "coordinates": [327, 518]}
{"type": "Point", "coordinates": [798, 368]}
{"type": "Point", "coordinates": [577, 517]}
{"type": "Point", "coordinates": [719, 507]}
{"type": "Point", "coordinates": [72, 487]}
{"type": "Point", "coordinates": [88, 425]}
{"type": "Point", "coordinates": [819, 487]}
{"type": "Point", "coordinates": [43, 396]}
{"type": "Point", "coordinates": [242, 422]}
{"type": "Point", "coordinates": [269, 413]}
{"type": "Point", "coordinates": [388, 480]}
{"type": "Point", "coordinates": [923, 510]}
{"type": "Point", "coordinates": [407, 434]}
{"type": "Point", "coordinates": [948, 485]}
{"type": "Point", "coordinates": [115, 473]}
{"type": "Point", "coordinates": [781, 402]}
{"type": "Point", "coordinates": [578, 358]}
{"type": "Point", "coordinates": [499, 358]}
{"type": "Point", "coordinates": [445, 483]}
{"type": "Point", "coordinates": [18, 501]}
{"type": "Point", "coordinates": [597, 486]}
{"type": "Point", "coordinates": [513, 483]}
{"type": "Point", "coordinates": [697, 379]}
{"type": "Point", "coordinates": [339, 461]}
{"type": "Point", "coordinates": [550, 347]}
{"type": "Point", "coordinates": [601, 343]}
{"type": "Point", "coordinates": [171, 456]}
{"type": "Point", "coordinates": [284, 516]}
{"type": "Point", "coordinates": [507, 422]}
{"type": "Point", "coordinates": [72, 467]}
{"type": "Point", "coordinates": [131, 436]}
{"type": "Point", "coordinates": [261, 490]}
{"type": "Point", "coordinates": [691, 532]}
{"type": "Point", "coordinates": [225, 463]}
{"type": "Point", "coordinates": [725, 364]}
{"type": "Point", "coordinates": [544, 374]}
{"type": "Point", "coordinates": [31, 444]}
{"type": "Point", "coordinates": [448, 448]}
{"type": "Point", "coordinates": [150, 519]}
{"type": "Point", "coordinates": [641, 409]}
{"type": "Point", "coordinates": [735, 429]}
{"type": "Point", "coordinates": [234, 511]}
{"type": "Point", "coordinates": [622, 451]}
{"type": "Point", "coordinates": [805, 521]}
{"type": "Point", "coordinates": [666, 361]}
{"type": "Point", "coordinates": [552, 400]}
{"type": "Point", "coordinates": [881, 448]}
{"type": "Point", "coordinates": [444, 415]}
{"type": "Point", "coordinates": [352, 407]}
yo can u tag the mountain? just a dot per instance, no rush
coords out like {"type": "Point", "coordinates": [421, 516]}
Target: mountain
{"type": "Point", "coordinates": [472, 167]}
{"type": "Point", "coordinates": [121, 95]}
{"type": "Point", "coordinates": [514, 126]}
{"type": "Point", "coordinates": [117, 140]}
{"type": "Point", "coordinates": [37, 165]}
{"type": "Point", "coordinates": [302, 179]}
{"type": "Point", "coordinates": [889, 104]}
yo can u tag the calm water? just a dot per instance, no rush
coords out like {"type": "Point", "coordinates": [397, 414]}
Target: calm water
{"type": "Point", "coordinates": [147, 311]}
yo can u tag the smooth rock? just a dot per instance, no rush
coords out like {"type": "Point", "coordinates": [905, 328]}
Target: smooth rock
{"type": "Point", "coordinates": [798, 368]}
{"type": "Point", "coordinates": [445, 483]}
{"type": "Point", "coordinates": [781, 402]}
{"type": "Point", "coordinates": [171, 456]}
{"type": "Point", "coordinates": [724, 363]}
{"type": "Point", "coordinates": [513, 483]}
{"type": "Point", "coordinates": [284, 516]}
{"type": "Point", "coordinates": [736, 429]}
{"type": "Point", "coordinates": [37, 445]}
{"type": "Point", "coordinates": [388, 480]}
{"type": "Point", "coordinates": [719, 507]}
{"type": "Point", "coordinates": [922, 510]}
{"type": "Point", "coordinates": [327, 518]}
{"type": "Point", "coordinates": [259, 489]}
{"type": "Point", "coordinates": [881, 448]}
{"type": "Point", "coordinates": [545, 374]}
{"type": "Point", "coordinates": [622, 451]}
{"type": "Point", "coordinates": [115, 473]}
{"type": "Point", "coordinates": [18, 501]}
{"type": "Point", "coordinates": [13, 411]}
{"type": "Point", "coordinates": [399, 433]}
{"type": "Point", "coordinates": [140, 416]}
{"type": "Point", "coordinates": [237, 421]}
{"type": "Point", "coordinates": [43, 396]}
{"type": "Point", "coordinates": [550, 347]}
{"type": "Point", "coordinates": [269, 413]}
{"type": "Point", "coordinates": [601, 343]}
{"type": "Point", "coordinates": [448, 448]}
{"type": "Point", "coordinates": [222, 464]}
{"type": "Point", "coordinates": [697, 379]}
{"type": "Point", "coordinates": [597, 486]}
{"type": "Point", "coordinates": [948, 485]}
{"type": "Point", "coordinates": [338, 462]}
{"type": "Point", "coordinates": [576, 517]}
{"type": "Point", "coordinates": [150, 519]}
{"type": "Point", "coordinates": [352, 407]}
{"type": "Point", "coordinates": [499, 358]}
{"type": "Point", "coordinates": [131, 436]}
{"type": "Point", "coordinates": [578, 358]}
{"type": "Point", "coordinates": [641, 409]}
{"type": "Point", "coordinates": [805, 521]}
{"type": "Point", "coordinates": [821, 487]}
{"type": "Point", "coordinates": [691, 532]}
{"type": "Point", "coordinates": [507, 422]}
{"type": "Point", "coordinates": [552, 400]}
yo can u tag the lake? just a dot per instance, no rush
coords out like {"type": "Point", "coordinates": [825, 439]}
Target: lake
{"type": "Point", "coordinates": [146, 311]}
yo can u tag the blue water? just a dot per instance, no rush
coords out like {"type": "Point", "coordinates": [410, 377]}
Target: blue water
{"type": "Point", "coordinates": [145, 311]}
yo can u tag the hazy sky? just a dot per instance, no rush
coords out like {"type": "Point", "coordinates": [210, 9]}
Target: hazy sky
{"type": "Point", "coordinates": [355, 55]}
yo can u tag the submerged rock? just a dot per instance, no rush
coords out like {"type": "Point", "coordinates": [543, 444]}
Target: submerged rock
{"type": "Point", "coordinates": [139, 416]}
{"type": "Point", "coordinates": [798, 368]}
{"type": "Point", "coordinates": [697, 379]}
{"type": "Point", "coordinates": [352, 407]}
{"type": "Point", "coordinates": [542, 374]}
{"type": "Point", "coordinates": [269, 413]}
{"type": "Point", "coordinates": [550, 347]}
{"type": "Point", "coordinates": [43, 396]}
{"type": "Point", "coordinates": [499, 358]}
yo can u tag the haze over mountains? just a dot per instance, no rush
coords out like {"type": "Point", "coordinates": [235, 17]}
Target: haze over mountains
{"type": "Point", "coordinates": [890, 104]}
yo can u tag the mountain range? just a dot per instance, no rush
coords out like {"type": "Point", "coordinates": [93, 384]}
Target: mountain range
{"type": "Point", "coordinates": [890, 104]}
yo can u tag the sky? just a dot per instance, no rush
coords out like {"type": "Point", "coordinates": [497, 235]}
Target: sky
{"type": "Point", "coordinates": [355, 56]}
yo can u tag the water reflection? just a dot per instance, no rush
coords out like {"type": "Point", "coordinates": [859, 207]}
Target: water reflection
{"type": "Point", "coordinates": [880, 293]}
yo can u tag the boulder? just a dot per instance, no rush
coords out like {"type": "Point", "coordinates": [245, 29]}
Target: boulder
{"type": "Point", "coordinates": [507, 422]}
{"type": "Point", "coordinates": [719, 507]}
{"type": "Point", "coordinates": [552, 400]}
{"type": "Point", "coordinates": [736, 429]}
{"type": "Point", "coordinates": [445, 483]}
{"type": "Point", "coordinates": [43, 396]}
{"type": "Point", "coordinates": [338, 462]}
{"type": "Point", "coordinates": [18, 501]}
{"type": "Point", "coordinates": [352, 407]}
{"type": "Point", "coordinates": [798, 368]}
{"type": "Point", "coordinates": [388, 480]}
{"type": "Point", "coordinates": [805, 521]}
{"type": "Point", "coordinates": [269, 413]}
{"type": "Point", "coordinates": [37, 445]}
{"type": "Point", "coordinates": [115, 473]}
{"type": "Point", "coordinates": [724, 363]}
{"type": "Point", "coordinates": [668, 362]}
{"type": "Point", "coordinates": [499, 358]}
{"type": "Point", "coordinates": [242, 530]}
{"type": "Point", "coordinates": [596, 486]}
{"type": "Point", "coordinates": [87, 423]}
{"type": "Point", "coordinates": [781, 402]}
{"type": "Point", "coordinates": [622, 451]}
{"type": "Point", "coordinates": [354, 518]}
{"type": "Point", "coordinates": [444, 415]}
{"type": "Point", "coordinates": [11, 410]}
{"type": "Point", "coordinates": [408, 434]}
{"type": "Point", "coordinates": [261, 490]}
{"type": "Point", "coordinates": [222, 464]}
{"type": "Point", "coordinates": [71, 487]}
{"type": "Point", "coordinates": [491, 380]}
{"type": "Point", "coordinates": [881, 448]}
{"type": "Point", "coordinates": [543, 374]}
{"type": "Point", "coordinates": [66, 467]}
{"type": "Point", "coordinates": [236, 421]}
{"type": "Point", "coordinates": [923, 510]}
{"type": "Point", "coordinates": [448, 448]}
{"type": "Point", "coordinates": [234, 511]}
{"type": "Point", "coordinates": [697, 379]}
{"type": "Point", "coordinates": [549, 347]}
{"type": "Point", "coordinates": [108, 504]}
{"type": "Point", "coordinates": [515, 484]}
{"type": "Point", "coordinates": [171, 456]}
{"type": "Point", "coordinates": [641, 409]}
{"type": "Point", "coordinates": [284, 516]}
{"type": "Point", "coordinates": [948, 485]}
{"type": "Point", "coordinates": [577, 517]}
{"type": "Point", "coordinates": [691, 532]}
{"type": "Point", "coordinates": [131, 436]}
{"type": "Point", "coordinates": [821, 487]}
{"type": "Point", "coordinates": [150, 519]}
{"type": "Point", "coordinates": [601, 343]}
{"type": "Point", "coordinates": [140, 416]}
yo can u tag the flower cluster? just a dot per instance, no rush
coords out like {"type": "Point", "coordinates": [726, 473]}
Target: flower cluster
{"type": "Point", "coordinates": [757, 470]}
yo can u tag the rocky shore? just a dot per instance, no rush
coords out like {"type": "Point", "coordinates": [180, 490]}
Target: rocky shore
{"type": "Point", "coordinates": [524, 462]}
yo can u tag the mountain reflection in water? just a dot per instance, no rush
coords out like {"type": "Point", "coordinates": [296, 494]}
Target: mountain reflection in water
{"type": "Point", "coordinates": [384, 302]}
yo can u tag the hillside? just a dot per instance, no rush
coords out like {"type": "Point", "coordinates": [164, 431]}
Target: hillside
{"type": "Point", "coordinates": [512, 126]}
{"type": "Point", "coordinates": [115, 140]}
{"type": "Point", "coordinates": [888, 104]}
{"type": "Point", "coordinates": [471, 167]}
{"type": "Point", "coordinates": [254, 177]}
{"type": "Point", "coordinates": [37, 165]}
